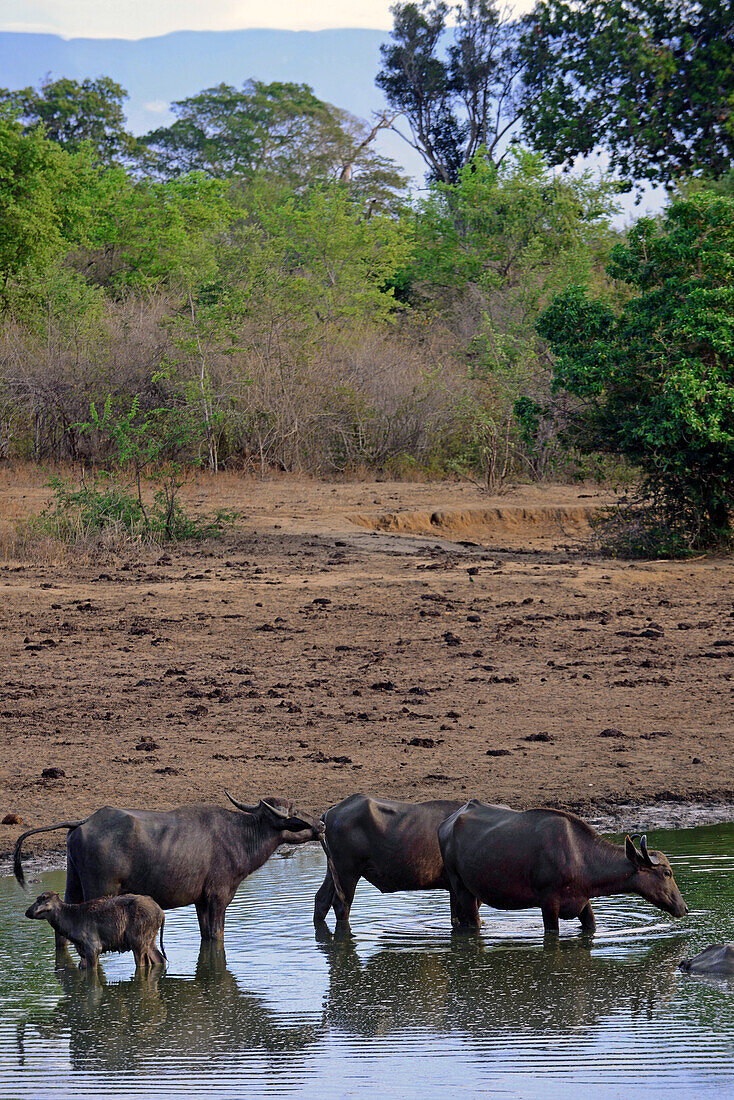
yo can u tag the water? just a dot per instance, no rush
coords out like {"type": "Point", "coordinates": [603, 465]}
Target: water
{"type": "Point", "coordinates": [400, 1009]}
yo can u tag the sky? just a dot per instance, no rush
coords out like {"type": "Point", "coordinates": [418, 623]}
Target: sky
{"type": "Point", "coordinates": [147, 18]}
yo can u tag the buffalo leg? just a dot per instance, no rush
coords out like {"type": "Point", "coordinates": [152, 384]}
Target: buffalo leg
{"type": "Point", "coordinates": [324, 899]}
{"type": "Point", "coordinates": [73, 895]}
{"type": "Point", "coordinates": [342, 909]}
{"type": "Point", "coordinates": [464, 907]}
{"type": "Point", "coordinates": [211, 912]}
{"type": "Point", "coordinates": [587, 918]}
{"type": "Point", "coordinates": [89, 961]}
{"type": "Point", "coordinates": [550, 913]}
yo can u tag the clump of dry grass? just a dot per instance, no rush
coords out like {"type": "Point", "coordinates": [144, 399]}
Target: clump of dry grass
{"type": "Point", "coordinates": [29, 541]}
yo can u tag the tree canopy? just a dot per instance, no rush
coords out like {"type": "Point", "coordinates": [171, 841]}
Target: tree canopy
{"type": "Point", "coordinates": [279, 131]}
{"type": "Point", "coordinates": [655, 377]}
{"type": "Point", "coordinates": [457, 95]}
{"type": "Point", "coordinates": [73, 113]}
{"type": "Point", "coordinates": [649, 81]}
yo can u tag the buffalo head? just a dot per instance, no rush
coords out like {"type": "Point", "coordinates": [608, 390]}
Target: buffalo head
{"type": "Point", "coordinates": [44, 904]}
{"type": "Point", "coordinates": [654, 878]}
{"type": "Point", "coordinates": [294, 826]}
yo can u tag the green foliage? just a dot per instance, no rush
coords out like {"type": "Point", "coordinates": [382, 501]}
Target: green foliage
{"type": "Point", "coordinates": [102, 507]}
{"type": "Point", "coordinates": [75, 114]}
{"type": "Point", "coordinates": [302, 265]}
{"type": "Point", "coordinates": [280, 132]}
{"type": "Point", "coordinates": [165, 440]}
{"type": "Point", "coordinates": [650, 81]}
{"type": "Point", "coordinates": [147, 235]}
{"type": "Point", "coordinates": [39, 193]}
{"type": "Point", "coordinates": [225, 132]}
{"type": "Point", "coordinates": [656, 375]}
{"type": "Point", "coordinates": [457, 99]}
{"type": "Point", "coordinates": [491, 251]}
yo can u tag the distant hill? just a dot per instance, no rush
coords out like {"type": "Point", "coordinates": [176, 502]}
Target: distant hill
{"type": "Point", "coordinates": [340, 65]}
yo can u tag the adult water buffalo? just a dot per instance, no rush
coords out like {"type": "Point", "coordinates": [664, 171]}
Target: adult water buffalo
{"type": "Point", "coordinates": [394, 845]}
{"type": "Point", "coordinates": [193, 855]}
{"type": "Point", "coordinates": [517, 860]}
{"type": "Point", "coordinates": [718, 960]}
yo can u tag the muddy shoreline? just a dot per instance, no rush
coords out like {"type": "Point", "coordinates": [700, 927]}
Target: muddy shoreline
{"type": "Point", "coordinates": [311, 656]}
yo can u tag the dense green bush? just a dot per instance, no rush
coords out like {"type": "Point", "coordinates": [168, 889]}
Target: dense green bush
{"type": "Point", "coordinates": [655, 375]}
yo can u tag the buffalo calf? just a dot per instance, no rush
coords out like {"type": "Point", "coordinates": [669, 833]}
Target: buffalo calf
{"type": "Point", "coordinates": [128, 922]}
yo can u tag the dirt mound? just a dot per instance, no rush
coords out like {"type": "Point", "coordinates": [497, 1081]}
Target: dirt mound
{"type": "Point", "coordinates": [506, 521]}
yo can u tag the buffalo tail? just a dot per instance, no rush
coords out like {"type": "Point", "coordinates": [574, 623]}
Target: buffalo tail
{"type": "Point", "coordinates": [332, 869]}
{"type": "Point", "coordinates": [17, 864]}
{"type": "Point", "coordinates": [163, 950]}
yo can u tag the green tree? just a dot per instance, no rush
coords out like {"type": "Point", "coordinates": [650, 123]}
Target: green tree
{"type": "Point", "coordinates": [655, 376]}
{"type": "Point", "coordinates": [649, 81]}
{"type": "Point", "coordinates": [147, 234]}
{"type": "Point", "coordinates": [278, 131]}
{"type": "Point", "coordinates": [34, 173]}
{"type": "Point", "coordinates": [73, 114]}
{"type": "Point", "coordinates": [491, 251]}
{"type": "Point", "coordinates": [456, 97]}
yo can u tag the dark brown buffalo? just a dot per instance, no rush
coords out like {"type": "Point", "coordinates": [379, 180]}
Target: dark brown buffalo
{"type": "Point", "coordinates": [517, 860]}
{"type": "Point", "coordinates": [718, 959]}
{"type": "Point", "coordinates": [195, 855]}
{"type": "Point", "coordinates": [127, 922]}
{"type": "Point", "coordinates": [394, 845]}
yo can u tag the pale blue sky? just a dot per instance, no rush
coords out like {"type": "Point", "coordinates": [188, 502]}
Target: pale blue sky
{"type": "Point", "coordinates": [146, 18]}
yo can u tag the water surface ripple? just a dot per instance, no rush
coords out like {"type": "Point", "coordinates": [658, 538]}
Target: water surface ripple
{"type": "Point", "coordinates": [399, 1008]}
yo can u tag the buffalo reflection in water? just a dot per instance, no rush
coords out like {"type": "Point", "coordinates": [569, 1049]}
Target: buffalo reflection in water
{"type": "Point", "coordinates": [474, 989]}
{"type": "Point", "coordinates": [138, 1023]}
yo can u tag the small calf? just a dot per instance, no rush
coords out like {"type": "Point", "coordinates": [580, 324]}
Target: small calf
{"type": "Point", "coordinates": [128, 922]}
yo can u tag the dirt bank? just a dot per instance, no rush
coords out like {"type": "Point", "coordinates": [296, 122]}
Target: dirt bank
{"type": "Point", "coordinates": [315, 653]}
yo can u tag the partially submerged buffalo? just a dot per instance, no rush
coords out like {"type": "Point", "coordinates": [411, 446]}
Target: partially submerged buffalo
{"type": "Point", "coordinates": [394, 845]}
{"type": "Point", "coordinates": [195, 855]}
{"type": "Point", "coordinates": [717, 960]}
{"type": "Point", "coordinates": [517, 860]}
{"type": "Point", "coordinates": [127, 922]}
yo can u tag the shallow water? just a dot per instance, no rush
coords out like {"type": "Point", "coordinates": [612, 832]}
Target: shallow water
{"type": "Point", "coordinates": [401, 1008]}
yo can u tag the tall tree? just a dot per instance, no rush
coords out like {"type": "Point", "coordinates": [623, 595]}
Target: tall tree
{"type": "Point", "coordinates": [280, 131]}
{"type": "Point", "coordinates": [460, 94]}
{"type": "Point", "coordinates": [649, 81]}
{"type": "Point", "coordinates": [655, 377]}
{"type": "Point", "coordinates": [491, 251]}
{"type": "Point", "coordinates": [72, 113]}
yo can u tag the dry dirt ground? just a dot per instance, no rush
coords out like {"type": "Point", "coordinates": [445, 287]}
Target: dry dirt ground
{"type": "Point", "coordinates": [407, 640]}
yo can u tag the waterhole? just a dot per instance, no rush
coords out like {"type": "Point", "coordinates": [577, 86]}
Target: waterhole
{"type": "Point", "coordinates": [399, 1008]}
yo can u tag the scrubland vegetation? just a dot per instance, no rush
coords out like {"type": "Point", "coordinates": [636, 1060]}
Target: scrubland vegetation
{"type": "Point", "coordinates": [255, 287]}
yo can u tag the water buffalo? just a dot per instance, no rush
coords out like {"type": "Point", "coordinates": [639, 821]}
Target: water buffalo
{"type": "Point", "coordinates": [517, 860]}
{"type": "Point", "coordinates": [193, 855]}
{"type": "Point", "coordinates": [718, 960]}
{"type": "Point", "coordinates": [394, 845]}
{"type": "Point", "coordinates": [128, 922]}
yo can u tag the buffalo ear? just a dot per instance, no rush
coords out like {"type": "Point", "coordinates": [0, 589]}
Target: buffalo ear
{"type": "Point", "coordinates": [632, 854]}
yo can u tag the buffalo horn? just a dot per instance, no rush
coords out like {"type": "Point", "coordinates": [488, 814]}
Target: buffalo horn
{"type": "Point", "coordinates": [274, 809]}
{"type": "Point", "coordinates": [645, 854]}
{"type": "Point", "coordinates": [240, 805]}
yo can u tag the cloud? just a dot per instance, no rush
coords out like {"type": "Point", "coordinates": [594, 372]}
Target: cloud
{"type": "Point", "coordinates": [157, 106]}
